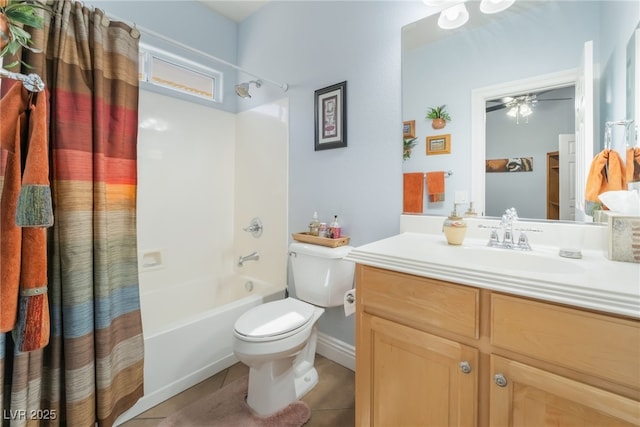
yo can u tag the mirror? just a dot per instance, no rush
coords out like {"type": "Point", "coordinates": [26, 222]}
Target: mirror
{"type": "Point", "coordinates": [531, 47]}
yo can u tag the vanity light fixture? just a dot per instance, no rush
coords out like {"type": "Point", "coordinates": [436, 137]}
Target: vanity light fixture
{"type": "Point", "coordinates": [495, 6]}
{"type": "Point", "coordinates": [453, 17]}
{"type": "Point", "coordinates": [455, 13]}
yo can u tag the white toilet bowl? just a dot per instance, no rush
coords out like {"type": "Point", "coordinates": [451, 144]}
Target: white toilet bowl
{"type": "Point", "coordinates": [277, 340]}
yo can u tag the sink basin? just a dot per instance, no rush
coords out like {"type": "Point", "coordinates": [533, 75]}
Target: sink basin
{"type": "Point", "coordinates": [522, 260]}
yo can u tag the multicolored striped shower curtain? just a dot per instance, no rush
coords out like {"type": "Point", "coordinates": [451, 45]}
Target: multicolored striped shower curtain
{"type": "Point", "coordinates": [92, 369]}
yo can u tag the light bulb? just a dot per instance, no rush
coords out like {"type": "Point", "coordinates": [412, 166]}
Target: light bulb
{"type": "Point", "coordinates": [434, 3]}
{"type": "Point", "coordinates": [453, 17]}
{"type": "Point", "coordinates": [525, 110]}
{"type": "Point", "coordinates": [495, 6]}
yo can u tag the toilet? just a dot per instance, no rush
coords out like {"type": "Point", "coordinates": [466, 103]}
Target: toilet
{"type": "Point", "coordinates": [277, 340]}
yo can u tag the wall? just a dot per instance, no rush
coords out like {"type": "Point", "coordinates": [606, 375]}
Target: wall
{"type": "Point", "coordinates": [312, 45]}
{"type": "Point", "coordinates": [261, 183]}
{"type": "Point", "coordinates": [185, 187]}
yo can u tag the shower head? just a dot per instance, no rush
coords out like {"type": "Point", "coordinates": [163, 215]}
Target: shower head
{"type": "Point", "coordinates": [242, 90]}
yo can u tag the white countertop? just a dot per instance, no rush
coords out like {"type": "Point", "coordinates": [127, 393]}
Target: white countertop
{"type": "Point", "coordinates": [592, 282]}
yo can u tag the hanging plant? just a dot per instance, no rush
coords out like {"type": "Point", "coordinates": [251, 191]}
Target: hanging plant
{"type": "Point", "coordinates": [408, 144]}
{"type": "Point", "coordinates": [439, 115]}
{"type": "Point", "coordinates": [14, 15]}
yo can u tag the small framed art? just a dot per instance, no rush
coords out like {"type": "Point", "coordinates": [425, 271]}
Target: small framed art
{"type": "Point", "coordinates": [439, 144]}
{"type": "Point", "coordinates": [331, 117]}
{"type": "Point", "coordinates": [409, 129]}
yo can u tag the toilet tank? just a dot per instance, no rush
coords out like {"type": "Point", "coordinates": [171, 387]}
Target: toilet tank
{"type": "Point", "coordinates": [320, 274]}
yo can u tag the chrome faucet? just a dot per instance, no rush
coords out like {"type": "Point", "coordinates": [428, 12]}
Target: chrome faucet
{"type": "Point", "coordinates": [509, 216]}
{"type": "Point", "coordinates": [253, 256]}
{"type": "Point", "coordinates": [508, 241]}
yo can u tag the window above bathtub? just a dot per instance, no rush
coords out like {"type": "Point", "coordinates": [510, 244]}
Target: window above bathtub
{"type": "Point", "coordinates": [161, 69]}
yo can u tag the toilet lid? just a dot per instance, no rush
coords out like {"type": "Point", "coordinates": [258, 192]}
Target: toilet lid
{"type": "Point", "coordinates": [274, 318]}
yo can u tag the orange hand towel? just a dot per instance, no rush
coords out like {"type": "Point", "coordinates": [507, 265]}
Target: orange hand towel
{"type": "Point", "coordinates": [435, 186]}
{"type": "Point", "coordinates": [606, 174]}
{"type": "Point", "coordinates": [633, 164]}
{"type": "Point", "coordinates": [413, 192]}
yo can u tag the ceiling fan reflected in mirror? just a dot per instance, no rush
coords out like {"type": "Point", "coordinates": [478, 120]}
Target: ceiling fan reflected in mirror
{"type": "Point", "coordinates": [519, 105]}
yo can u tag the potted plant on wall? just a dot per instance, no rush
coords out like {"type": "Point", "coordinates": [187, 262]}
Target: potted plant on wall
{"type": "Point", "coordinates": [14, 15]}
{"type": "Point", "coordinates": [439, 115]}
{"type": "Point", "coordinates": [408, 144]}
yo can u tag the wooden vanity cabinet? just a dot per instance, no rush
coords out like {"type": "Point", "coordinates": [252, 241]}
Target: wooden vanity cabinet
{"type": "Point", "coordinates": [407, 373]}
{"type": "Point", "coordinates": [527, 396]}
{"type": "Point", "coordinates": [415, 378]}
{"type": "Point", "coordinates": [435, 353]}
{"type": "Point", "coordinates": [600, 352]}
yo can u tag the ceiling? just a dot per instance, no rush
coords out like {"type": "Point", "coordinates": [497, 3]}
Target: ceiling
{"type": "Point", "coordinates": [236, 10]}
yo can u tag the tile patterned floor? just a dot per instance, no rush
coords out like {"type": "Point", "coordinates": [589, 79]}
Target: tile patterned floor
{"type": "Point", "coordinates": [332, 401]}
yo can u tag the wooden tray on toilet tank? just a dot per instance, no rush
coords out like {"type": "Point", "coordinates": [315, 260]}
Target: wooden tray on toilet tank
{"type": "Point", "coordinates": [323, 241]}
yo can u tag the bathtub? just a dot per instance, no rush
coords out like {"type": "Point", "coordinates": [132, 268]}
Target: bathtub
{"type": "Point", "coordinates": [188, 332]}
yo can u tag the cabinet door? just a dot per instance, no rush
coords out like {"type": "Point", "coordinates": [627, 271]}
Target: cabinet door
{"type": "Point", "coordinates": [407, 377]}
{"type": "Point", "coordinates": [526, 396]}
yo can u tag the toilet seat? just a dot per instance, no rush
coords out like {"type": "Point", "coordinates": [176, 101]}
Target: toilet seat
{"type": "Point", "coordinates": [274, 320]}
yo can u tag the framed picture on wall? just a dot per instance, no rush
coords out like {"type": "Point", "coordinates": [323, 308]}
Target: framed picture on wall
{"type": "Point", "coordinates": [439, 144]}
{"type": "Point", "coordinates": [515, 164]}
{"type": "Point", "coordinates": [331, 117]}
{"type": "Point", "coordinates": [409, 129]}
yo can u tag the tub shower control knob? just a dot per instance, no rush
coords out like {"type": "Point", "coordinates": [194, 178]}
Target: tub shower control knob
{"type": "Point", "coordinates": [255, 227]}
{"type": "Point", "coordinates": [465, 367]}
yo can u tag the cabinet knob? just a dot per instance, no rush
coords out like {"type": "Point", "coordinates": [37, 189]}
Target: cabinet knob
{"type": "Point", "coordinates": [465, 367]}
{"type": "Point", "coordinates": [500, 380]}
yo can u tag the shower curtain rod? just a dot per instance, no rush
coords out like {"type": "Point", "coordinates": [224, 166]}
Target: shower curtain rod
{"type": "Point", "coordinates": [152, 33]}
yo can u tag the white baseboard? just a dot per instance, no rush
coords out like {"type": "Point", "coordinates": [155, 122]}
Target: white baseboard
{"type": "Point", "coordinates": [336, 350]}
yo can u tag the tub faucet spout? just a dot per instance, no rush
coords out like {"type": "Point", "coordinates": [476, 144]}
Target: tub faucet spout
{"type": "Point", "coordinates": [253, 256]}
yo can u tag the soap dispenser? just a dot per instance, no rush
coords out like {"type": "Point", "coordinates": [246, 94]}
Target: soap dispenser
{"type": "Point", "coordinates": [454, 227]}
{"type": "Point", "coordinates": [314, 225]}
{"type": "Point", "coordinates": [470, 211]}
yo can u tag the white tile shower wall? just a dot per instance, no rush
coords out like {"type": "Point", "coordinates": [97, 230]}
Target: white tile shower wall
{"type": "Point", "coordinates": [261, 189]}
{"type": "Point", "coordinates": [185, 189]}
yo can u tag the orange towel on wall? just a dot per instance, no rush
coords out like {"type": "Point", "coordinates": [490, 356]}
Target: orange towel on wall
{"type": "Point", "coordinates": [413, 192]}
{"type": "Point", "coordinates": [606, 174]}
{"type": "Point", "coordinates": [633, 164]}
{"type": "Point", "coordinates": [435, 186]}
